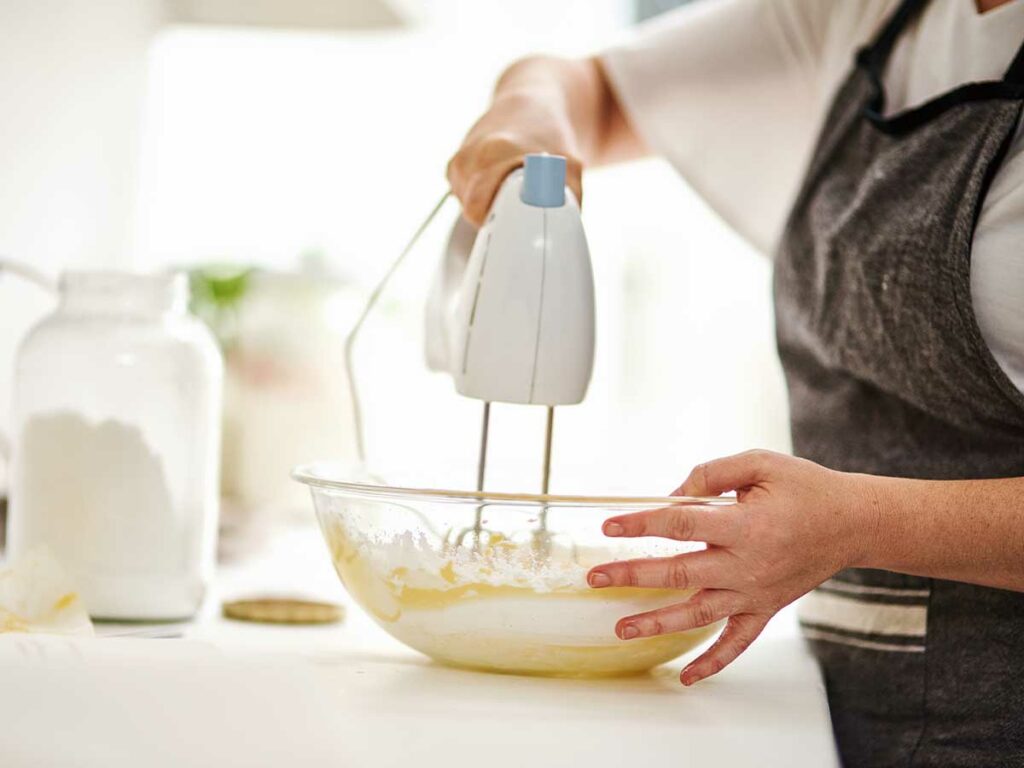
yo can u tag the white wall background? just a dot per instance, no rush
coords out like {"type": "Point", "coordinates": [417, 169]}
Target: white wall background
{"type": "Point", "coordinates": [259, 145]}
{"type": "Point", "coordinates": [72, 80]}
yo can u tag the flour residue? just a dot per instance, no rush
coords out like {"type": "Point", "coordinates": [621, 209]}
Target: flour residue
{"type": "Point", "coordinates": [37, 596]}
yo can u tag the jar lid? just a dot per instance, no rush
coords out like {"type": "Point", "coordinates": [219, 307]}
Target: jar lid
{"type": "Point", "coordinates": [108, 292]}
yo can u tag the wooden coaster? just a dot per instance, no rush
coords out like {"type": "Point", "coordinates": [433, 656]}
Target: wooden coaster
{"type": "Point", "coordinates": [275, 610]}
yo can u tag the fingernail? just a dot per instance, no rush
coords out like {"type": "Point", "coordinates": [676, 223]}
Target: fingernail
{"type": "Point", "coordinates": [598, 579]}
{"type": "Point", "coordinates": [687, 677]}
{"type": "Point", "coordinates": [612, 529]}
{"type": "Point", "coordinates": [628, 632]}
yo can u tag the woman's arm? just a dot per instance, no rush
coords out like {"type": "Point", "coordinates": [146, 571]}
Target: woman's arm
{"type": "Point", "coordinates": [961, 530]}
{"type": "Point", "coordinates": [541, 104]}
{"type": "Point", "coordinates": [590, 106]}
{"type": "Point", "coordinates": [728, 92]}
{"type": "Point", "coordinates": [794, 525]}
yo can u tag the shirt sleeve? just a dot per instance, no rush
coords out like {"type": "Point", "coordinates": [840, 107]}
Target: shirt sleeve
{"type": "Point", "coordinates": [728, 91]}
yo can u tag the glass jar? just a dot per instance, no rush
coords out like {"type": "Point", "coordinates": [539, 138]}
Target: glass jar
{"type": "Point", "coordinates": [116, 441]}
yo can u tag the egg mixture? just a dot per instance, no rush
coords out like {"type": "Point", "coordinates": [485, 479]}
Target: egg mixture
{"type": "Point", "coordinates": [502, 608]}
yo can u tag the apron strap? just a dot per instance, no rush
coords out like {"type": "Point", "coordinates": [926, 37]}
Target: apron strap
{"type": "Point", "coordinates": [1015, 74]}
{"type": "Point", "coordinates": [872, 60]}
{"type": "Point", "coordinates": [876, 53]}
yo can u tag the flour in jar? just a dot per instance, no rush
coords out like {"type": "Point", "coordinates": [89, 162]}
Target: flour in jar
{"type": "Point", "coordinates": [96, 495]}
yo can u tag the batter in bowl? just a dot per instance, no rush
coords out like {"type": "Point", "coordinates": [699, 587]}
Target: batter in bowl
{"type": "Point", "coordinates": [501, 607]}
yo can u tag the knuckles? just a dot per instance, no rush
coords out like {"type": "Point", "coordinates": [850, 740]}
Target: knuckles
{"type": "Point", "coordinates": [695, 481]}
{"type": "Point", "coordinates": [703, 614]}
{"type": "Point", "coordinates": [680, 526]}
{"type": "Point", "coordinates": [653, 626]}
{"type": "Point", "coordinates": [742, 642]}
{"type": "Point", "coordinates": [631, 575]}
{"type": "Point", "coordinates": [678, 574]}
{"type": "Point", "coordinates": [760, 459]}
{"type": "Point", "coordinates": [700, 473]}
{"type": "Point", "coordinates": [498, 148]}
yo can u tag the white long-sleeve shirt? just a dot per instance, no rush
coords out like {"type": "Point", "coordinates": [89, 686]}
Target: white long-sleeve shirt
{"type": "Point", "coordinates": [733, 93]}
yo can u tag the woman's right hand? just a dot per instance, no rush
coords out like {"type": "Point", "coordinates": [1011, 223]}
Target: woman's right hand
{"type": "Point", "coordinates": [531, 112]}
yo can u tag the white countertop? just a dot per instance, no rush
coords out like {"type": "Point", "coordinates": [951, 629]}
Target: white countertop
{"type": "Point", "coordinates": [230, 693]}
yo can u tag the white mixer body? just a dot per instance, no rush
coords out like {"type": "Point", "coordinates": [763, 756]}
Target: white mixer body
{"type": "Point", "coordinates": [513, 321]}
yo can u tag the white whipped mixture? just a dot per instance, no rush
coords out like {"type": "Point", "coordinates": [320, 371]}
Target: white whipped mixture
{"type": "Point", "coordinates": [502, 606]}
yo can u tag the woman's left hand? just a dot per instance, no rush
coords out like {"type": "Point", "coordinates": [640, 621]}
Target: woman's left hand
{"type": "Point", "coordinates": [794, 525]}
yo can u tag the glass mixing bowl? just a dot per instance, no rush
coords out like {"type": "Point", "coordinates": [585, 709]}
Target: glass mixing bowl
{"type": "Point", "coordinates": [496, 581]}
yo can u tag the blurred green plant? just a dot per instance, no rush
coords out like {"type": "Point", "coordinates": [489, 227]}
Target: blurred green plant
{"type": "Point", "coordinates": [217, 294]}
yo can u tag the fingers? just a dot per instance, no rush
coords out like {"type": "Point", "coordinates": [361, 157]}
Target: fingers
{"type": "Point", "coordinates": [478, 192]}
{"type": "Point", "coordinates": [476, 172]}
{"type": "Point", "coordinates": [739, 633]}
{"type": "Point", "coordinates": [714, 525]}
{"type": "Point", "coordinates": [690, 571]}
{"type": "Point", "coordinates": [479, 167]}
{"type": "Point", "coordinates": [704, 608]}
{"type": "Point", "coordinates": [728, 474]}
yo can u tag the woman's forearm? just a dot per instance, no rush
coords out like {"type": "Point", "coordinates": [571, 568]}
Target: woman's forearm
{"type": "Point", "coordinates": [961, 530]}
{"type": "Point", "coordinates": [581, 89]}
{"type": "Point", "coordinates": [541, 104]}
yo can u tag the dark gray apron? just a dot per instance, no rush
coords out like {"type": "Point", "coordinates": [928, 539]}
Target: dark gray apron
{"type": "Point", "coordinates": [888, 374]}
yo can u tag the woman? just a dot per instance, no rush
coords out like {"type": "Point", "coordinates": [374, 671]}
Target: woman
{"type": "Point", "coordinates": [899, 291]}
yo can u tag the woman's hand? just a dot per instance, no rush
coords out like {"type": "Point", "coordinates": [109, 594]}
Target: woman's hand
{"type": "Point", "coordinates": [518, 123]}
{"type": "Point", "coordinates": [794, 525]}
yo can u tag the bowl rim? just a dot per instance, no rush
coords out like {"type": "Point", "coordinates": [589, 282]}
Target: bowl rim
{"type": "Point", "coordinates": [308, 474]}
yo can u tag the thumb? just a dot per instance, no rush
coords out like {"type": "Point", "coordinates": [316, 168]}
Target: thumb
{"type": "Point", "coordinates": [732, 473]}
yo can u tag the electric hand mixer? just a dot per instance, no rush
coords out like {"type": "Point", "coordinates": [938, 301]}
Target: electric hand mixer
{"type": "Point", "coordinates": [512, 320]}
{"type": "Point", "coordinates": [510, 314]}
